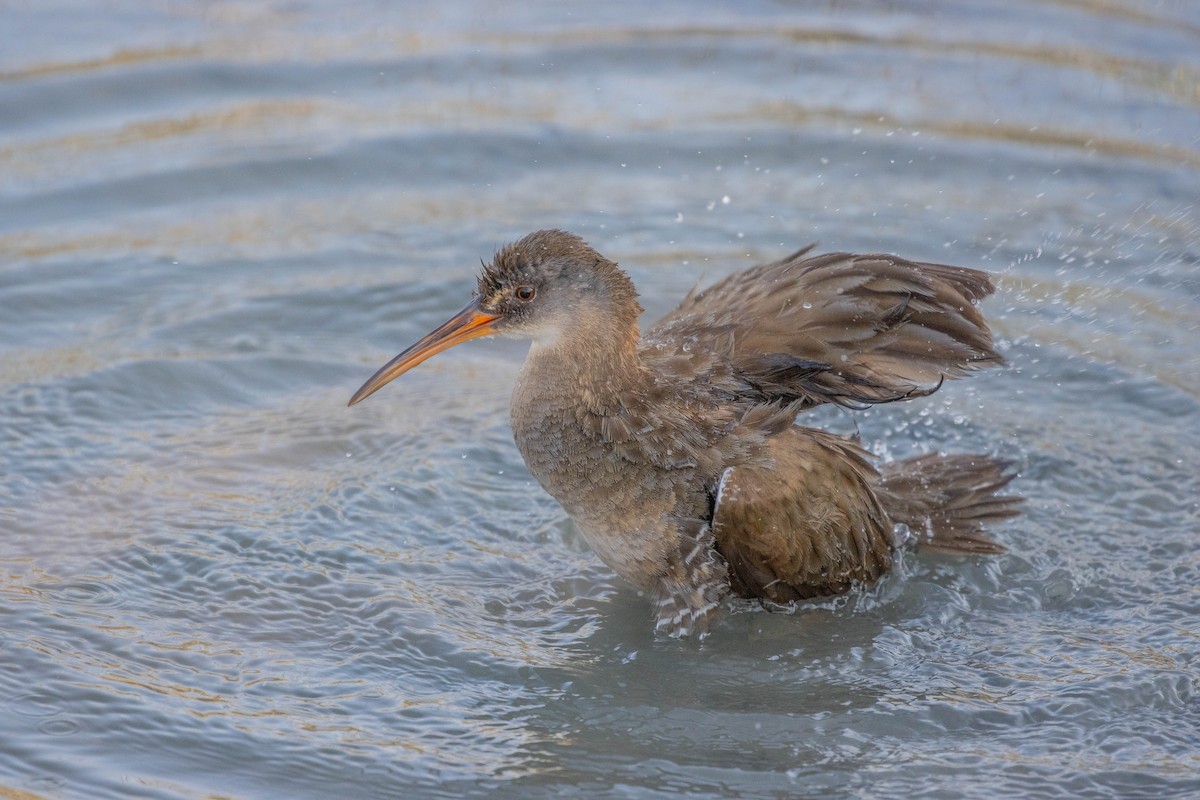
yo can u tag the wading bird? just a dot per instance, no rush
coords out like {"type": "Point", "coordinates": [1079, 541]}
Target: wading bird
{"type": "Point", "coordinates": [676, 451]}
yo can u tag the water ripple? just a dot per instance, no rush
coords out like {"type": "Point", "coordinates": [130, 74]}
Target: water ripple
{"type": "Point", "coordinates": [217, 580]}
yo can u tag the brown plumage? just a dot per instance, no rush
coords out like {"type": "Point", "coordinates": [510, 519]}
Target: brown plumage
{"type": "Point", "coordinates": [675, 452]}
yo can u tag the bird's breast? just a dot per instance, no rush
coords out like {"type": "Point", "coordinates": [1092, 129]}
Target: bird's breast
{"type": "Point", "coordinates": [622, 507]}
{"type": "Point", "coordinates": [566, 451]}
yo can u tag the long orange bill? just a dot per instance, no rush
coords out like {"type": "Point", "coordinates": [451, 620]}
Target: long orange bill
{"type": "Point", "coordinates": [470, 323]}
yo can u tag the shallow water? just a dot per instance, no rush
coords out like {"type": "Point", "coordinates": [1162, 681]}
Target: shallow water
{"type": "Point", "coordinates": [217, 219]}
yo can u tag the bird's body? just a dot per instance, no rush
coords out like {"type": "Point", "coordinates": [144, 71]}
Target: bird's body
{"type": "Point", "coordinates": [675, 452]}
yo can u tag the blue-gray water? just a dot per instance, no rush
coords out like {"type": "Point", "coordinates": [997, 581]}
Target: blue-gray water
{"type": "Point", "coordinates": [218, 218]}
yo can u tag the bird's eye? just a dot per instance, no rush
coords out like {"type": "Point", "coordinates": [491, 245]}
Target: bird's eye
{"type": "Point", "coordinates": [526, 293]}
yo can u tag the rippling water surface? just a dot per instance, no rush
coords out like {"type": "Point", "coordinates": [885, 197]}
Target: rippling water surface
{"type": "Point", "coordinates": [216, 220]}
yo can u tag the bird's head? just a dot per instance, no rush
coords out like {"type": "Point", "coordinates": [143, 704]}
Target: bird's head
{"type": "Point", "coordinates": [547, 287]}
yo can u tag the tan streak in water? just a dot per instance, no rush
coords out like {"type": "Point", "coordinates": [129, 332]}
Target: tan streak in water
{"type": "Point", "coordinates": [968, 129]}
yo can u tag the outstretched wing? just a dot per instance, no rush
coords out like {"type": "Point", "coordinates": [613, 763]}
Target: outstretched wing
{"type": "Point", "coordinates": [836, 328]}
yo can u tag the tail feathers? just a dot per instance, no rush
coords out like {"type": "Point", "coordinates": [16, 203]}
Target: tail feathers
{"type": "Point", "coordinates": [946, 500]}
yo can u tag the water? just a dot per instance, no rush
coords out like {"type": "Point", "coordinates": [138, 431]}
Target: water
{"type": "Point", "coordinates": [217, 219]}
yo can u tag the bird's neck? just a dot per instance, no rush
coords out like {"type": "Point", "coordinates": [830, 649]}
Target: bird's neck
{"type": "Point", "coordinates": [568, 389]}
{"type": "Point", "coordinates": [590, 359]}
{"type": "Point", "coordinates": [590, 365]}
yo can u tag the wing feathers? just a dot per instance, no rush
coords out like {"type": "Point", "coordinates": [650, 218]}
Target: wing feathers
{"type": "Point", "coordinates": [834, 328]}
